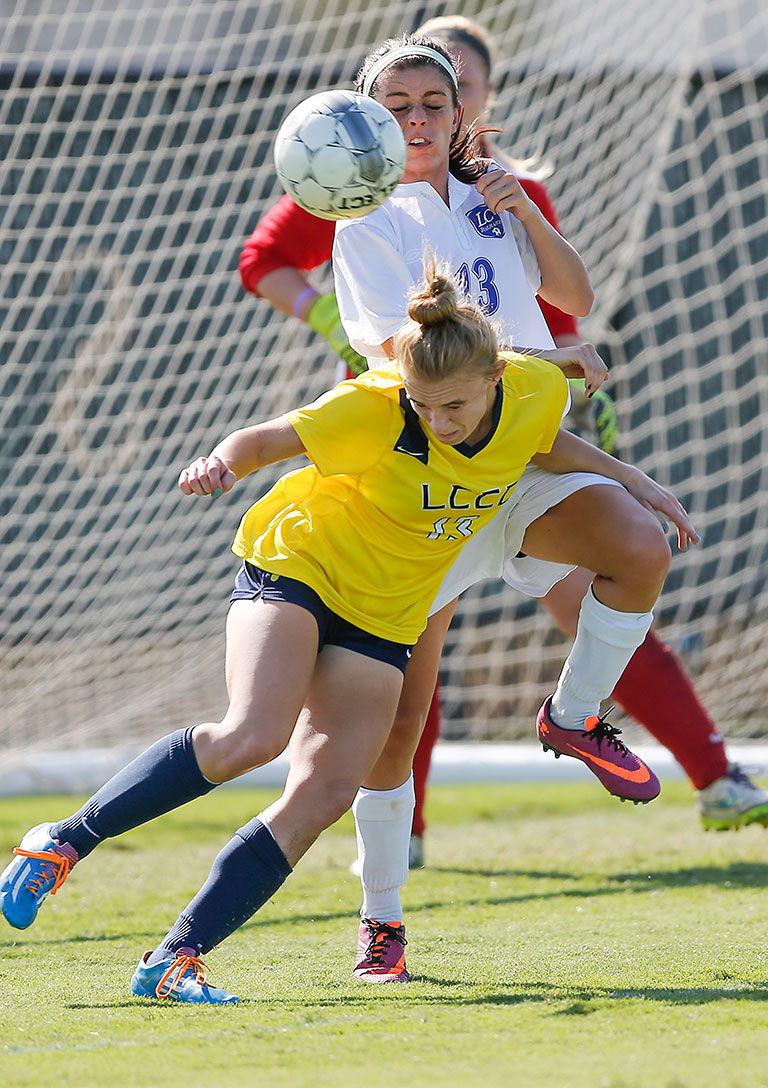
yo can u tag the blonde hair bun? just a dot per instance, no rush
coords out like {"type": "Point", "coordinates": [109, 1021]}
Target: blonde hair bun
{"type": "Point", "coordinates": [436, 302]}
{"type": "Point", "coordinates": [445, 334]}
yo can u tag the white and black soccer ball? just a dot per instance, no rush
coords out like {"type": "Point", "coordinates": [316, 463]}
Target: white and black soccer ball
{"type": "Point", "coordinates": [339, 154]}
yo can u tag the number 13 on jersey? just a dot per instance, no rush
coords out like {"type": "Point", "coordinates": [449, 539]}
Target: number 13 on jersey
{"type": "Point", "coordinates": [452, 528]}
{"type": "Point", "coordinates": [484, 273]}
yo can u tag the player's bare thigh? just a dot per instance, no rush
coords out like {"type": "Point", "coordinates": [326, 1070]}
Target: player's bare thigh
{"type": "Point", "coordinates": [603, 528]}
{"type": "Point", "coordinates": [270, 659]}
{"type": "Point", "coordinates": [340, 734]}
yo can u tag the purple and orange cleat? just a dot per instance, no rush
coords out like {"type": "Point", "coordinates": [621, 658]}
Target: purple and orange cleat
{"type": "Point", "coordinates": [598, 746]}
{"type": "Point", "coordinates": [381, 952]}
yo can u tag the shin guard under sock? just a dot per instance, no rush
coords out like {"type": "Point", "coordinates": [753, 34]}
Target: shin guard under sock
{"type": "Point", "coordinates": [162, 778]}
{"type": "Point", "coordinates": [244, 875]}
{"type": "Point", "coordinates": [383, 820]}
{"type": "Point", "coordinates": [605, 641]}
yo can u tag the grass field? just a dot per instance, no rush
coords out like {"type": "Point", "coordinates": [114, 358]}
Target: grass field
{"type": "Point", "coordinates": [557, 939]}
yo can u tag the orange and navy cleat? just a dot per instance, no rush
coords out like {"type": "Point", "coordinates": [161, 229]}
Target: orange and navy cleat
{"type": "Point", "coordinates": [181, 977]}
{"type": "Point", "coordinates": [598, 746]}
{"type": "Point", "coordinates": [40, 866]}
{"type": "Point", "coordinates": [381, 952]}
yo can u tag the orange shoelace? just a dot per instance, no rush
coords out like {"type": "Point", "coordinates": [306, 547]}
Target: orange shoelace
{"type": "Point", "coordinates": [60, 863]}
{"type": "Point", "coordinates": [183, 963]}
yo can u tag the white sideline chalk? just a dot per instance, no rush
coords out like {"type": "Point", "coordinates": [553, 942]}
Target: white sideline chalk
{"type": "Point", "coordinates": [22, 774]}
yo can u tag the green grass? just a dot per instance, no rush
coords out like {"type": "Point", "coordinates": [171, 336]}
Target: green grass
{"type": "Point", "coordinates": [558, 939]}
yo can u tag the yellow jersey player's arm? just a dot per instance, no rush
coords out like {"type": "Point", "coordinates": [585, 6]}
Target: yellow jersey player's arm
{"type": "Point", "coordinates": [572, 454]}
{"type": "Point", "coordinates": [239, 454]}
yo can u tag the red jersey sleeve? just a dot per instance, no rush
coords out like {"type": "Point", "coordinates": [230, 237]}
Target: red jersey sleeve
{"type": "Point", "coordinates": [287, 237]}
{"type": "Point", "coordinates": [560, 324]}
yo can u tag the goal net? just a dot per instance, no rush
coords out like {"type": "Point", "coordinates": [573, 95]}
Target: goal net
{"type": "Point", "coordinates": [136, 148]}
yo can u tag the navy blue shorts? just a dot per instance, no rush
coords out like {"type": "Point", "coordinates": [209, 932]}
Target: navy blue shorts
{"type": "Point", "coordinates": [252, 582]}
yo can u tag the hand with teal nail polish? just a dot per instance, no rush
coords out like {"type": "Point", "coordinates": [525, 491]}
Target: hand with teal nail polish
{"type": "Point", "coordinates": [206, 476]}
{"type": "Point", "coordinates": [662, 502]}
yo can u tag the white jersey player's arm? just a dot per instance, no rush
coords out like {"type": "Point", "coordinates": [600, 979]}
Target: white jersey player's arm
{"type": "Point", "coordinates": [564, 277]}
{"type": "Point", "coordinates": [372, 283]}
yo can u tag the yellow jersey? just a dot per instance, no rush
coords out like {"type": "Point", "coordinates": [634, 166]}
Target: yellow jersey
{"type": "Point", "coordinates": [377, 519]}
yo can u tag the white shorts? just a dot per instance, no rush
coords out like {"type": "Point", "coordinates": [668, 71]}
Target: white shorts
{"type": "Point", "coordinates": [493, 553]}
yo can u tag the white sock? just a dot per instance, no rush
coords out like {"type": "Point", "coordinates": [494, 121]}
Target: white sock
{"type": "Point", "coordinates": [605, 641]}
{"type": "Point", "coordinates": [383, 821]}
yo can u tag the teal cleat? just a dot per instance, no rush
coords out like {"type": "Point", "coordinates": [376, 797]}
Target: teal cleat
{"type": "Point", "coordinates": [183, 978]}
{"type": "Point", "coordinates": [732, 801]}
{"type": "Point", "coordinates": [40, 867]}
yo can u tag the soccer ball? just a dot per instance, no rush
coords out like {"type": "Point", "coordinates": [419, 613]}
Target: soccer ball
{"type": "Point", "coordinates": [339, 154]}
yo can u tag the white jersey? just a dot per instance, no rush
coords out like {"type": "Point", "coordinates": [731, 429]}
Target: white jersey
{"type": "Point", "coordinates": [379, 258]}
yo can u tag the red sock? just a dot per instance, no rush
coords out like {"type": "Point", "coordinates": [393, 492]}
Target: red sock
{"type": "Point", "coordinates": [656, 691]}
{"type": "Point", "coordinates": [422, 760]}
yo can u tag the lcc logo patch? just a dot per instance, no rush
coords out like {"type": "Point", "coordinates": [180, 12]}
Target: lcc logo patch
{"type": "Point", "coordinates": [487, 223]}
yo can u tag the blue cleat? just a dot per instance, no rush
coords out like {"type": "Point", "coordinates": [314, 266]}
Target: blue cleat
{"type": "Point", "coordinates": [183, 978]}
{"type": "Point", "coordinates": [40, 867]}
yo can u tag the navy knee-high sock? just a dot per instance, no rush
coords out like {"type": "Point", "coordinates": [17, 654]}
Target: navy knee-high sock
{"type": "Point", "coordinates": [246, 873]}
{"type": "Point", "coordinates": [162, 778]}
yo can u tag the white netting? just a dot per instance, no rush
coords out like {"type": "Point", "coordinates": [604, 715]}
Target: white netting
{"type": "Point", "coordinates": [136, 149]}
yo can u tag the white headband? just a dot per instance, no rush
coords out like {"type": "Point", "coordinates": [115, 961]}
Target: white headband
{"type": "Point", "coordinates": [404, 53]}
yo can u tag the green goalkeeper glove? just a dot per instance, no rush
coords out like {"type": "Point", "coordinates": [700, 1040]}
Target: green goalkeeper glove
{"type": "Point", "coordinates": [606, 421]}
{"type": "Point", "coordinates": [324, 318]}
{"type": "Point", "coordinates": [602, 413]}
